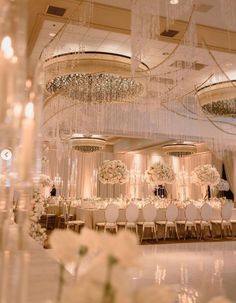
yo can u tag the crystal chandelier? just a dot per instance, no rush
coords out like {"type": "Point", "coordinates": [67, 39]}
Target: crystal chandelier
{"type": "Point", "coordinates": [87, 144]}
{"type": "Point", "coordinates": [179, 149]}
{"type": "Point", "coordinates": [219, 99]}
{"type": "Point", "coordinates": [92, 78]}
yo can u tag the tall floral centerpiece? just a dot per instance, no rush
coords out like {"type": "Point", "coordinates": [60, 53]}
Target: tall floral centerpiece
{"type": "Point", "coordinates": [222, 187]}
{"type": "Point", "coordinates": [113, 172]}
{"type": "Point", "coordinates": [45, 184]}
{"type": "Point", "coordinates": [159, 174]}
{"type": "Point", "coordinates": [205, 175]}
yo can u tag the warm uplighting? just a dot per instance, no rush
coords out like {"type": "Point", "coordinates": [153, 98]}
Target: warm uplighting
{"type": "Point", "coordinates": [29, 110]}
{"type": "Point", "coordinates": [14, 59]}
{"type": "Point", "coordinates": [17, 110]}
{"type": "Point", "coordinates": [174, 1]}
{"type": "Point", "coordinates": [28, 83]}
{"type": "Point", "coordinates": [6, 47]}
{"type": "Point", "coordinates": [57, 180]}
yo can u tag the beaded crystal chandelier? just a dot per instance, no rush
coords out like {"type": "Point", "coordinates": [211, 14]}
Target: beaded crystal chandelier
{"type": "Point", "coordinates": [219, 99]}
{"type": "Point", "coordinates": [92, 78]}
{"type": "Point", "coordinates": [87, 144]}
{"type": "Point", "coordinates": [179, 149]}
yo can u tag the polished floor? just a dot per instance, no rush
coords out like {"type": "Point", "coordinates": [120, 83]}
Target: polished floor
{"type": "Point", "coordinates": [197, 271]}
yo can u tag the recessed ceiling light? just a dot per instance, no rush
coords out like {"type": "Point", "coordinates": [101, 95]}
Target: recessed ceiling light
{"type": "Point", "coordinates": [228, 64]}
{"type": "Point", "coordinates": [52, 34]}
{"type": "Point", "coordinates": [174, 1]}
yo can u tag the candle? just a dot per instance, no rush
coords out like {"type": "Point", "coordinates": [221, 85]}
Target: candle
{"type": "Point", "coordinates": [27, 143]}
{"type": "Point", "coordinates": [24, 272]}
{"type": "Point", "coordinates": [5, 272]}
{"type": "Point", "coordinates": [6, 76]}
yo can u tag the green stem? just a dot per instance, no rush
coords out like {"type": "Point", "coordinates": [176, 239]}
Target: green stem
{"type": "Point", "coordinates": [109, 293]}
{"type": "Point", "coordinates": [60, 282]}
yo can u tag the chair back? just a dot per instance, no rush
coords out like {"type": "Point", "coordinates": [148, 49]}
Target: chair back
{"type": "Point", "coordinates": [65, 212]}
{"type": "Point", "coordinates": [131, 213]}
{"type": "Point", "coordinates": [226, 211]}
{"type": "Point", "coordinates": [111, 213]}
{"type": "Point", "coordinates": [206, 212]}
{"type": "Point", "coordinates": [191, 212]}
{"type": "Point", "coordinates": [149, 213]}
{"type": "Point", "coordinates": [172, 212]}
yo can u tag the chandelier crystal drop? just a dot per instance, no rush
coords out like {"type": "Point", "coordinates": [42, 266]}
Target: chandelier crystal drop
{"type": "Point", "coordinates": [92, 77]}
{"type": "Point", "coordinates": [96, 88]}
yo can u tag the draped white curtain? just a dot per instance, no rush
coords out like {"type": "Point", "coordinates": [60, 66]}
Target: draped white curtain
{"type": "Point", "coordinates": [230, 170]}
{"type": "Point", "coordinates": [78, 172]}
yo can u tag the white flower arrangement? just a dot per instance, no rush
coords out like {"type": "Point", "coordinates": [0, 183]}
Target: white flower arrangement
{"type": "Point", "coordinates": [36, 231]}
{"type": "Point", "coordinates": [159, 173]}
{"type": "Point", "coordinates": [223, 185]}
{"type": "Point", "coordinates": [113, 172]}
{"type": "Point", "coordinates": [45, 180]}
{"type": "Point", "coordinates": [205, 175]}
{"type": "Point", "coordinates": [104, 279]}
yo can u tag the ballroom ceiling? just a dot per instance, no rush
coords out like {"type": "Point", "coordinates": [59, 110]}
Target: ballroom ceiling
{"type": "Point", "coordinates": [112, 33]}
{"type": "Point", "coordinates": [103, 36]}
{"type": "Point", "coordinates": [208, 11]}
{"type": "Point", "coordinates": [109, 31]}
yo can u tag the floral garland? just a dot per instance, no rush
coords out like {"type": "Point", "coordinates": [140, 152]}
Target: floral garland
{"type": "Point", "coordinates": [38, 209]}
{"type": "Point", "coordinates": [205, 175]}
{"type": "Point", "coordinates": [223, 185]}
{"type": "Point", "coordinates": [159, 173]}
{"type": "Point", "coordinates": [113, 172]}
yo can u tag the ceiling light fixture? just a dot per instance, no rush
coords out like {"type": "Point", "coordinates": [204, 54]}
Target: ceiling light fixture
{"type": "Point", "coordinates": [87, 144]}
{"type": "Point", "coordinates": [219, 99]}
{"type": "Point", "coordinates": [179, 149]}
{"type": "Point", "coordinates": [82, 77]}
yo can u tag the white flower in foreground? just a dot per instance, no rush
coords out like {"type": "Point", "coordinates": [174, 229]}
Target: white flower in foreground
{"type": "Point", "coordinates": [124, 247]}
{"type": "Point", "coordinates": [90, 239]}
{"type": "Point", "coordinates": [68, 246]}
{"type": "Point", "coordinates": [154, 294]}
{"type": "Point", "coordinates": [65, 246]}
{"type": "Point", "coordinates": [219, 300]}
{"type": "Point", "coordinates": [90, 287]}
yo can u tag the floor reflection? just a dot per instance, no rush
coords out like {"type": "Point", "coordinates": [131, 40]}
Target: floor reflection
{"type": "Point", "coordinates": [197, 271]}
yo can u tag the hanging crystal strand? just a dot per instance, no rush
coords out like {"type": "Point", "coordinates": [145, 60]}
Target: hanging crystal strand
{"type": "Point", "coordinates": [167, 4]}
{"type": "Point", "coordinates": [228, 15]}
{"type": "Point", "coordinates": [145, 25]}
